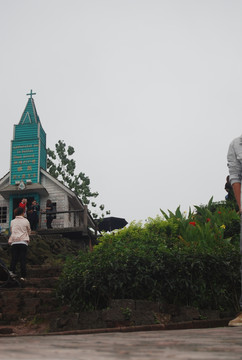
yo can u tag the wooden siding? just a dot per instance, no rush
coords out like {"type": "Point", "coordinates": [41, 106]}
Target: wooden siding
{"type": "Point", "coordinates": [64, 200]}
{"type": "Point", "coordinates": [42, 135]}
{"type": "Point", "coordinates": [43, 156]}
{"type": "Point", "coordinates": [26, 131]}
{"type": "Point", "coordinates": [3, 203]}
{"type": "Point", "coordinates": [56, 195]}
{"type": "Point", "coordinates": [30, 114]}
{"type": "Point", "coordinates": [28, 152]}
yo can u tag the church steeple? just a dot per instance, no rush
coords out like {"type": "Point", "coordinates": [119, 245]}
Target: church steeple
{"type": "Point", "coordinates": [30, 115]}
{"type": "Point", "coordinates": [28, 146]}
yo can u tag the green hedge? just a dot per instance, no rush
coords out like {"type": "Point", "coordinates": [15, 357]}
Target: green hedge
{"type": "Point", "coordinates": [159, 261]}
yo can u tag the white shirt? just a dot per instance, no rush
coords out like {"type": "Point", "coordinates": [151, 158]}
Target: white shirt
{"type": "Point", "coordinates": [20, 230]}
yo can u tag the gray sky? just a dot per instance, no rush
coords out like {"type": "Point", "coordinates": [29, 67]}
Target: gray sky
{"type": "Point", "coordinates": [148, 92]}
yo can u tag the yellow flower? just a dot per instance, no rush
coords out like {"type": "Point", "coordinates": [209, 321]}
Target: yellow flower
{"type": "Point", "coordinates": [223, 226]}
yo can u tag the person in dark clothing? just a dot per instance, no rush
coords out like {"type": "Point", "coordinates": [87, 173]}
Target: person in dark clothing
{"type": "Point", "coordinates": [49, 216]}
{"type": "Point", "coordinates": [229, 189]}
{"type": "Point", "coordinates": [33, 215]}
{"type": "Point", "coordinates": [230, 198]}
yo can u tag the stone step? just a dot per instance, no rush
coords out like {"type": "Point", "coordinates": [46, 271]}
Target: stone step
{"type": "Point", "coordinates": [18, 303]}
{"type": "Point", "coordinates": [39, 323]}
{"type": "Point", "coordinates": [35, 299]}
{"type": "Point", "coordinates": [36, 271]}
{"type": "Point", "coordinates": [47, 282]}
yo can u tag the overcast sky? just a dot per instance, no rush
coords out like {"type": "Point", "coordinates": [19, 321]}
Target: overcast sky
{"type": "Point", "coordinates": [148, 92]}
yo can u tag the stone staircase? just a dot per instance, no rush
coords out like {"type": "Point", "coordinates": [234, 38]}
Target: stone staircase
{"type": "Point", "coordinates": [33, 309]}
{"type": "Point", "coordinates": [33, 306]}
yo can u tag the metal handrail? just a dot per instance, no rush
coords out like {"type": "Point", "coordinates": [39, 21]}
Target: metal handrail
{"type": "Point", "coordinates": [61, 212]}
{"type": "Point", "coordinates": [86, 221]}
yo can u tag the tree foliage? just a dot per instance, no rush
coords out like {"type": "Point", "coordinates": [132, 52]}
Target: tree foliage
{"type": "Point", "coordinates": [62, 166]}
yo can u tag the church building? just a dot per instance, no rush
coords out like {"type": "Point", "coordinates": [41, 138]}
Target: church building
{"type": "Point", "coordinates": [28, 178]}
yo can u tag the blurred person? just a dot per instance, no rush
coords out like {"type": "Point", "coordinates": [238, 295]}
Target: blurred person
{"type": "Point", "coordinates": [23, 204]}
{"type": "Point", "coordinates": [49, 216]}
{"type": "Point", "coordinates": [234, 158]}
{"type": "Point", "coordinates": [19, 240]}
{"type": "Point", "coordinates": [33, 215]}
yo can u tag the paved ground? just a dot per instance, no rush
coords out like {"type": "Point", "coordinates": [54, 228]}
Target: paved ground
{"type": "Point", "coordinates": [200, 344]}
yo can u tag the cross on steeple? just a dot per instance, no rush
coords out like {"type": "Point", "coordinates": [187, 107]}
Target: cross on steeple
{"type": "Point", "coordinates": [31, 93]}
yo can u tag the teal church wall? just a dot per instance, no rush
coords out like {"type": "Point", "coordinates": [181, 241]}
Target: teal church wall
{"type": "Point", "coordinates": [28, 148]}
{"type": "Point", "coordinates": [28, 154]}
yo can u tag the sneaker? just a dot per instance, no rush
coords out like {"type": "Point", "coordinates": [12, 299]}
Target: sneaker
{"type": "Point", "coordinates": [12, 274]}
{"type": "Point", "coordinates": [22, 279]}
{"type": "Point", "coordinates": [237, 321]}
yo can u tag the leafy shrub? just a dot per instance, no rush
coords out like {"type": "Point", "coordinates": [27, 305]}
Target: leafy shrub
{"type": "Point", "coordinates": [177, 259]}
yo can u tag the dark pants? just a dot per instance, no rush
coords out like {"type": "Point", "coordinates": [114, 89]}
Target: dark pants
{"type": "Point", "coordinates": [33, 219]}
{"type": "Point", "coordinates": [49, 219]}
{"type": "Point", "coordinates": [18, 252]}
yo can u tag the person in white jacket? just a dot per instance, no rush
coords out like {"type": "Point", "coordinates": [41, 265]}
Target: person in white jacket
{"type": "Point", "coordinates": [19, 240]}
{"type": "Point", "coordinates": [234, 158]}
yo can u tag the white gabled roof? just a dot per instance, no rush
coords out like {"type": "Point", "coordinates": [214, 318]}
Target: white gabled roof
{"type": "Point", "coordinates": [4, 178]}
{"type": "Point", "coordinates": [67, 190]}
{"type": "Point", "coordinates": [62, 186]}
{"type": "Point", "coordinates": [70, 193]}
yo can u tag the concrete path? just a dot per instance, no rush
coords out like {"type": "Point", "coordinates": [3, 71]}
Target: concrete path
{"type": "Point", "coordinates": [199, 344]}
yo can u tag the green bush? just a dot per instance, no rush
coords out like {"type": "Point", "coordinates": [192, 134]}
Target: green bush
{"type": "Point", "coordinates": [177, 259]}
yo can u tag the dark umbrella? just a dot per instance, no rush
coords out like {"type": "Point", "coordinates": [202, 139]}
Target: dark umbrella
{"type": "Point", "coordinates": [111, 223]}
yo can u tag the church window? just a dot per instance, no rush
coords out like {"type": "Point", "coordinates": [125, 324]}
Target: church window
{"type": "Point", "coordinates": [3, 214]}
